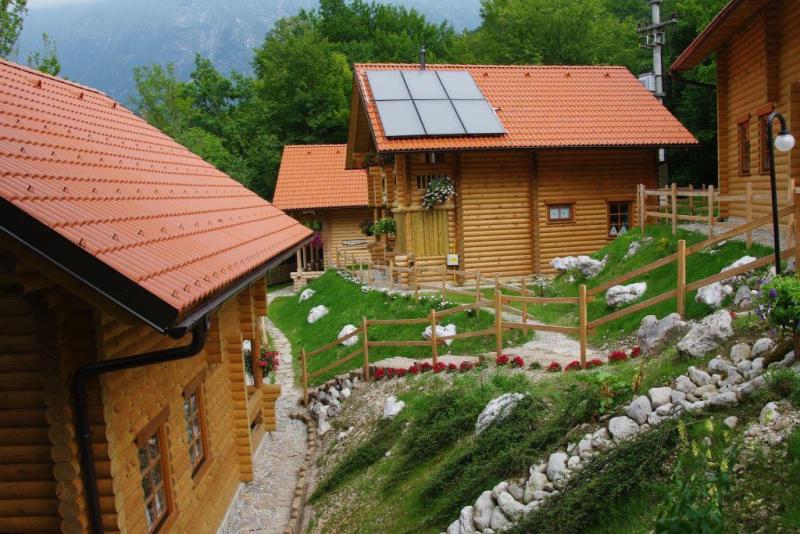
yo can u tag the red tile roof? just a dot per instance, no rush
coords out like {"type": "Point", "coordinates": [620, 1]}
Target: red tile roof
{"type": "Point", "coordinates": [313, 177]}
{"type": "Point", "coordinates": [719, 30]}
{"type": "Point", "coordinates": [548, 107]}
{"type": "Point", "coordinates": [118, 189]}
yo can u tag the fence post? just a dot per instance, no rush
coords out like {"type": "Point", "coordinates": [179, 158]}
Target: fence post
{"type": "Point", "coordinates": [524, 304]}
{"type": "Point", "coordinates": [444, 284]}
{"type": "Point", "coordinates": [749, 207]}
{"type": "Point", "coordinates": [305, 377]}
{"type": "Point", "coordinates": [681, 286]}
{"type": "Point", "coordinates": [434, 340]}
{"type": "Point", "coordinates": [497, 280]}
{"type": "Point", "coordinates": [478, 287]}
{"type": "Point", "coordinates": [584, 322]}
{"type": "Point", "coordinates": [391, 274]}
{"type": "Point", "coordinates": [711, 211]}
{"type": "Point", "coordinates": [498, 321]}
{"type": "Point", "coordinates": [642, 207]}
{"type": "Point", "coordinates": [691, 199]}
{"type": "Point", "coordinates": [674, 202]}
{"type": "Point", "coordinates": [369, 272]}
{"type": "Point", "coordinates": [365, 347]}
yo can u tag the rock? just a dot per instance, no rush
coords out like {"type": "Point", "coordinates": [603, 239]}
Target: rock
{"type": "Point", "coordinates": [740, 352]}
{"type": "Point", "coordinates": [586, 265]}
{"type": "Point", "coordinates": [744, 366]}
{"type": "Point", "coordinates": [762, 347]}
{"type": "Point", "coordinates": [465, 525]}
{"type": "Point", "coordinates": [719, 365]}
{"type": "Point", "coordinates": [392, 407]}
{"type": "Point", "coordinates": [664, 409]}
{"type": "Point", "coordinates": [769, 413]}
{"type": "Point", "coordinates": [639, 410]}
{"type": "Point", "coordinates": [496, 410]}
{"type": "Point", "coordinates": [536, 483]}
{"type": "Point", "coordinates": [499, 488]}
{"type": "Point", "coordinates": [441, 331]}
{"type": "Point", "coordinates": [556, 465]}
{"type": "Point", "coordinates": [541, 495]}
{"type": "Point", "coordinates": [454, 527]}
{"type": "Point", "coordinates": [659, 396]}
{"type": "Point", "coordinates": [731, 422]}
{"type": "Point", "coordinates": [622, 427]}
{"type": "Point", "coordinates": [696, 406]}
{"type": "Point", "coordinates": [721, 400]}
{"type": "Point", "coordinates": [652, 332]}
{"type": "Point", "coordinates": [714, 294]}
{"type": "Point", "coordinates": [316, 313]}
{"type": "Point", "coordinates": [585, 448]}
{"type": "Point", "coordinates": [732, 379]}
{"type": "Point", "coordinates": [743, 299]}
{"type": "Point", "coordinates": [516, 491]}
{"type": "Point", "coordinates": [499, 521]}
{"type": "Point", "coordinates": [706, 391]}
{"type": "Point", "coordinates": [482, 511]}
{"type": "Point", "coordinates": [346, 393]}
{"type": "Point", "coordinates": [574, 462]}
{"type": "Point", "coordinates": [699, 377]}
{"type": "Point", "coordinates": [512, 509]}
{"type": "Point", "coordinates": [621, 295]}
{"type": "Point", "coordinates": [654, 419]}
{"type": "Point", "coordinates": [744, 260]}
{"type": "Point", "coordinates": [707, 335]}
{"type": "Point", "coordinates": [307, 294]}
{"type": "Point", "coordinates": [348, 329]}
{"type": "Point", "coordinates": [323, 426]}
{"type": "Point", "coordinates": [633, 249]}
{"type": "Point", "coordinates": [758, 365]}
{"type": "Point", "coordinates": [746, 388]}
{"type": "Point", "coordinates": [601, 439]}
{"type": "Point", "coordinates": [677, 396]}
{"type": "Point", "coordinates": [571, 448]}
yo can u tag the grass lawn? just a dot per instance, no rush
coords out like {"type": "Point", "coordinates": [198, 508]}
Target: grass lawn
{"type": "Point", "coordinates": [348, 304]}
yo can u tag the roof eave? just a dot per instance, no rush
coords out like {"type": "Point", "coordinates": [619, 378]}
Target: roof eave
{"type": "Point", "coordinates": [390, 150]}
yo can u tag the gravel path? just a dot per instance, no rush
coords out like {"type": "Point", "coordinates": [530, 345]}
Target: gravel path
{"type": "Point", "coordinates": [761, 236]}
{"type": "Point", "coordinates": [264, 506]}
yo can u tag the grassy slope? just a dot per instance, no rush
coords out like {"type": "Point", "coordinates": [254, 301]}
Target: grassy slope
{"type": "Point", "coordinates": [348, 304]}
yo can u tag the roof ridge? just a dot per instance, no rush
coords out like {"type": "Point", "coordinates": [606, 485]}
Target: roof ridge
{"type": "Point", "coordinates": [493, 66]}
{"type": "Point", "coordinates": [46, 76]}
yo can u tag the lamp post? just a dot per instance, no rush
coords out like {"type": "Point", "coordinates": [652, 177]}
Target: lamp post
{"type": "Point", "coordinates": [784, 142]}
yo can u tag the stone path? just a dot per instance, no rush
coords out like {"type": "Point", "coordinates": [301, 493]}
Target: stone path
{"type": "Point", "coordinates": [265, 503]}
{"type": "Point", "coordinates": [761, 236]}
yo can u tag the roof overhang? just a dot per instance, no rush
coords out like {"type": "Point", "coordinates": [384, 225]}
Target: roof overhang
{"type": "Point", "coordinates": [717, 33]}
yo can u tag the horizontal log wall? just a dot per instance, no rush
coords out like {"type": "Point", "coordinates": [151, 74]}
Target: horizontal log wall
{"type": "Point", "coordinates": [343, 225]}
{"type": "Point", "coordinates": [589, 180]}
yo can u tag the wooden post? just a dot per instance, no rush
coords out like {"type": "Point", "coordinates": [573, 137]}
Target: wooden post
{"type": "Point", "coordinates": [524, 285]}
{"type": "Point", "coordinates": [749, 208]}
{"type": "Point", "coordinates": [304, 377]}
{"type": "Point", "coordinates": [477, 287]}
{"type": "Point", "coordinates": [691, 200]}
{"type": "Point", "coordinates": [681, 286]}
{"type": "Point", "coordinates": [434, 340]}
{"type": "Point", "coordinates": [584, 321]}
{"type": "Point", "coordinates": [416, 282]}
{"type": "Point", "coordinates": [497, 281]}
{"type": "Point", "coordinates": [365, 347]}
{"type": "Point", "coordinates": [710, 211]}
{"type": "Point", "coordinates": [444, 284]}
{"type": "Point", "coordinates": [674, 202]}
{"type": "Point", "coordinates": [298, 260]}
{"type": "Point", "coordinates": [369, 272]}
{"type": "Point", "coordinates": [498, 321]}
{"type": "Point", "coordinates": [391, 274]}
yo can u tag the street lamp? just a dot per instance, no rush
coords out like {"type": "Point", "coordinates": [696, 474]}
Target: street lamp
{"type": "Point", "coordinates": [784, 142]}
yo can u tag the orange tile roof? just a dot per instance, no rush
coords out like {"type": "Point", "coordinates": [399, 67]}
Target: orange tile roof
{"type": "Point", "coordinates": [313, 177]}
{"type": "Point", "coordinates": [719, 30]}
{"type": "Point", "coordinates": [80, 167]}
{"type": "Point", "coordinates": [548, 107]}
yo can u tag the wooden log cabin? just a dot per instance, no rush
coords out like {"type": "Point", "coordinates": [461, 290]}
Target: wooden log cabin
{"type": "Point", "coordinates": [131, 272]}
{"type": "Point", "coordinates": [314, 187]}
{"type": "Point", "coordinates": [757, 49]}
{"type": "Point", "coordinates": [544, 160]}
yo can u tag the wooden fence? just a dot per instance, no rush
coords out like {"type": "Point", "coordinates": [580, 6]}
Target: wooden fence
{"type": "Point", "coordinates": [672, 200]}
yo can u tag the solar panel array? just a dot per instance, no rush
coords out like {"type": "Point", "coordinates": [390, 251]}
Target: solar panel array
{"type": "Point", "coordinates": [425, 103]}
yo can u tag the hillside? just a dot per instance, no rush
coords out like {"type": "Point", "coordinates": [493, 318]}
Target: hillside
{"type": "Point", "coordinates": [101, 41]}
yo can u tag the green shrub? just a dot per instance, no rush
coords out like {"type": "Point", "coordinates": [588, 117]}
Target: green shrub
{"type": "Point", "coordinates": [385, 226]}
{"type": "Point", "coordinates": [779, 304]}
{"type": "Point", "coordinates": [785, 383]}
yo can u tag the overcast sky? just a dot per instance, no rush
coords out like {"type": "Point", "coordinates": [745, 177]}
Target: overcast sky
{"type": "Point", "coordinates": [36, 4]}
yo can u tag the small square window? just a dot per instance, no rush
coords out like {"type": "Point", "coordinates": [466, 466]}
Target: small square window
{"type": "Point", "coordinates": [155, 485]}
{"type": "Point", "coordinates": [619, 218]}
{"type": "Point", "coordinates": [560, 213]}
{"type": "Point", "coordinates": [194, 419]}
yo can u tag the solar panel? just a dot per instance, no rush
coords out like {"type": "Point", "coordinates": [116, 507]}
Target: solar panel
{"type": "Point", "coordinates": [421, 103]}
{"type": "Point", "coordinates": [424, 85]}
{"type": "Point", "coordinates": [399, 118]}
{"type": "Point", "coordinates": [478, 117]}
{"type": "Point", "coordinates": [459, 85]}
{"type": "Point", "coordinates": [439, 117]}
{"type": "Point", "coordinates": [387, 85]}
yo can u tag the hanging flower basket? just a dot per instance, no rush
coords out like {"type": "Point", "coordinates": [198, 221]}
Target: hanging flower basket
{"type": "Point", "coordinates": [439, 191]}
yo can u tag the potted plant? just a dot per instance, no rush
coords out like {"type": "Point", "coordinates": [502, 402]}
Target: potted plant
{"type": "Point", "coordinates": [383, 229]}
{"type": "Point", "coordinates": [439, 191]}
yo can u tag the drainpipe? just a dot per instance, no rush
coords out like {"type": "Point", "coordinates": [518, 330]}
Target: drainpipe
{"type": "Point", "coordinates": [83, 374]}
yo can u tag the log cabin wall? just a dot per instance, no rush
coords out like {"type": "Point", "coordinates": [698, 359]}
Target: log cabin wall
{"type": "Point", "coordinates": [340, 231]}
{"type": "Point", "coordinates": [757, 69]}
{"type": "Point", "coordinates": [588, 181]}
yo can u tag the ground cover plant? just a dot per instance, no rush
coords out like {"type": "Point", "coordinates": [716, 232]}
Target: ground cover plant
{"type": "Point", "coordinates": [348, 304]}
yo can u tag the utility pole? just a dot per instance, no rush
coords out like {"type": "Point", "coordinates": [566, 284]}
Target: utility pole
{"type": "Point", "coordinates": [654, 37]}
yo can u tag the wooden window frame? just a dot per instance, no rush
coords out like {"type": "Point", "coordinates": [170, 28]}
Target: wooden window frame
{"type": "Point", "coordinates": [763, 139]}
{"type": "Point", "coordinates": [743, 144]}
{"type": "Point", "coordinates": [157, 427]}
{"type": "Point", "coordinates": [195, 388]}
{"type": "Point", "coordinates": [570, 205]}
{"type": "Point", "coordinates": [608, 216]}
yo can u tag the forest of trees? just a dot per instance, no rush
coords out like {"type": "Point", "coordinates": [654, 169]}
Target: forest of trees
{"type": "Point", "coordinates": [299, 90]}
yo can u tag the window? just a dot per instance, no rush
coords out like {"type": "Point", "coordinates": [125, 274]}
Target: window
{"type": "Point", "coordinates": [763, 144]}
{"type": "Point", "coordinates": [619, 218]}
{"type": "Point", "coordinates": [744, 148]}
{"type": "Point", "coordinates": [194, 417]}
{"type": "Point", "coordinates": [424, 180]}
{"type": "Point", "coordinates": [557, 213]}
{"type": "Point", "coordinates": [153, 469]}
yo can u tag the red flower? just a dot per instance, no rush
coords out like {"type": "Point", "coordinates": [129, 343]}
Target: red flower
{"type": "Point", "coordinates": [451, 367]}
{"type": "Point", "coordinates": [733, 315]}
{"type": "Point", "coordinates": [617, 356]}
{"type": "Point", "coordinates": [414, 370]}
{"type": "Point", "coordinates": [501, 359]}
{"type": "Point", "coordinates": [596, 362]}
{"type": "Point", "coordinates": [439, 367]}
{"type": "Point", "coordinates": [390, 372]}
{"type": "Point", "coordinates": [517, 362]}
{"type": "Point", "coordinates": [554, 367]}
{"type": "Point", "coordinates": [636, 351]}
{"type": "Point", "coordinates": [466, 366]}
{"type": "Point", "coordinates": [425, 367]}
{"type": "Point", "coordinates": [401, 373]}
{"type": "Point", "coordinates": [379, 372]}
{"type": "Point", "coordinates": [574, 365]}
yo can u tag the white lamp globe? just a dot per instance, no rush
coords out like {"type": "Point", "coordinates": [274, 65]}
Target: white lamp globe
{"type": "Point", "coordinates": [784, 142]}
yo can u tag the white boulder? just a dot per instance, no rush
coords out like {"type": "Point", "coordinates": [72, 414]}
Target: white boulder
{"type": "Point", "coordinates": [633, 249]}
{"type": "Point", "coordinates": [707, 335]}
{"type": "Point", "coordinates": [441, 331]}
{"type": "Point", "coordinates": [659, 396]}
{"type": "Point", "coordinates": [496, 410]}
{"type": "Point", "coordinates": [622, 427]}
{"type": "Point", "coordinates": [587, 266]}
{"type": "Point", "coordinates": [392, 407]}
{"type": "Point", "coordinates": [348, 329]}
{"type": "Point", "coordinates": [714, 294]}
{"type": "Point", "coordinates": [699, 377]}
{"type": "Point", "coordinates": [762, 346]}
{"type": "Point", "coordinates": [639, 410]}
{"type": "Point", "coordinates": [316, 313]}
{"type": "Point", "coordinates": [307, 294]}
{"type": "Point", "coordinates": [743, 299]}
{"type": "Point", "coordinates": [653, 332]}
{"type": "Point", "coordinates": [744, 260]}
{"type": "Point", "coordinates": [512, 509]}
{"type": "Point", "coordinates": [740, 352]}
{"type": "Point", "coordinates": [556, 465]}
{"type": "Point", "coordinates": [499, 521]}
{"type": "Point", "coordinates": [769, 413]}
{"type": "Point", "coordinates": [482, 511]}
{"type": "Point", "coordinates": [621, 295]}
{"type": "Point", "coordinates": [721, 400]}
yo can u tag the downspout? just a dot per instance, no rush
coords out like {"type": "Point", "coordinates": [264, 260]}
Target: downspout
{"type": "Point", "coordinates": [84, 373]}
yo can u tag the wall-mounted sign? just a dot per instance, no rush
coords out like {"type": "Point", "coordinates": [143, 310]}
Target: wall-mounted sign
{"type": "Point", "coordinates": [452, 260]}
